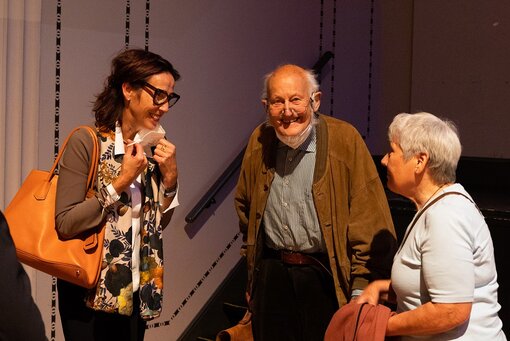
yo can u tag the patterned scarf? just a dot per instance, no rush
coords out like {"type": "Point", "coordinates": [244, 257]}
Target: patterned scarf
{"type": "Point", "coordinates": [114, 291]}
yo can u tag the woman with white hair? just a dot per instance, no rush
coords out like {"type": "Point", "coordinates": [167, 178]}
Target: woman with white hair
{"type": "Point", "coordinates": [444, 276]}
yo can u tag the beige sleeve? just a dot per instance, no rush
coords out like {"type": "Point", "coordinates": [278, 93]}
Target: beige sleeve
{"type": "Point", "coordinates": [74, 213]}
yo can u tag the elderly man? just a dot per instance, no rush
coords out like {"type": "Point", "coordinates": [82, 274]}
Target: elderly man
{"type": "Point", "coordinates": [312, 210]}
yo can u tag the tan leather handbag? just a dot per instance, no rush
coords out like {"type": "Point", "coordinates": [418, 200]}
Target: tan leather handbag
{"type": "Point", "coordinates": [240, 332]}
{"type": "Point", "coordinates": [31, 219]}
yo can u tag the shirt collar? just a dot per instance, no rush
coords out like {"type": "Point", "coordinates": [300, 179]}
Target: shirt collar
{"type": "Point", "coordinates": [310, 143]}
{"type": "Point", "coordinates": [119, 140]}
{"type": "Point", "coordinates": [119, 148]}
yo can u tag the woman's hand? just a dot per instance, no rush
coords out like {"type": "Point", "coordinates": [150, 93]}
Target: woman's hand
{"type": "Point", "coordinates": [164, 154]}
{"type": "Point", "coordinates": [133, 163]}
{"type": "Point", "coordinates": [374, 292]}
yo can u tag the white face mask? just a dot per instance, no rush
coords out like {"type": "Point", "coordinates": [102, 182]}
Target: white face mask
{"type": "Point", "coordinates": [149, 138]}
{"type": "Point", "coordinates": [295, 141]}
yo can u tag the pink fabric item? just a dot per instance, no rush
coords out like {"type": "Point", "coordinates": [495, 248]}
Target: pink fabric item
{"type": "Point", "coordinates": [359, 322]}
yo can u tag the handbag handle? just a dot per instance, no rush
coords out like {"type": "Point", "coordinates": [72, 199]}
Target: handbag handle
{"type": "Point", "coordinates": [43, 191]}
{"type": "Point", "coordinates": [418, 215]}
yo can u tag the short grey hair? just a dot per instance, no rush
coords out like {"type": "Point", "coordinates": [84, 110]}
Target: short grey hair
{"type": "Point", "coordinates": [424, 132]}
{"type": "Point", "coordinates": [311, 79]}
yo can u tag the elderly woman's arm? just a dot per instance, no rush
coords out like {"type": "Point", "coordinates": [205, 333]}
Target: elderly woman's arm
{"type": "Point", "coordinates": [430, 318]}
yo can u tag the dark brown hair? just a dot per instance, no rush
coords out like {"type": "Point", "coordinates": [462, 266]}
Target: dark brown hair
{"type": "Point", "coordinates": [133, 66]}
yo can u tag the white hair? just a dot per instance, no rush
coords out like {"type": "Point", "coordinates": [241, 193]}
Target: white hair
{"type": "Point", "coordinates": [425, 133]}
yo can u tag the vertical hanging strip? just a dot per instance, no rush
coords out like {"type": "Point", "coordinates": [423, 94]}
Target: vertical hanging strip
{"type": "Point", "coordinates": [57, 78]}
{"type": "Point", "coordinates": [333, 45]}
{"type": "Point", "coordinates": [55, 148]}
{"type": "Point", "coordinates": [128, 14]}
{"type": "Point", "coordinates": [321, 34]}
{"type": "Point", "coordinates": [147, 14]}
{"type": "Point", "coordinates": [370, 55]}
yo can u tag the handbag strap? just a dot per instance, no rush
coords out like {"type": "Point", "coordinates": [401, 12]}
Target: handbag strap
{"type": "Point", "coordinates": [43, 191]}
{"type": "Point", "coordinates": [94, 157]}
{"type": "Point", "coordinates": [423, 210]}
{"type": "Point", "coordinates": [356, 326]}
{"type": "Point", "coordinates": [94, 160]}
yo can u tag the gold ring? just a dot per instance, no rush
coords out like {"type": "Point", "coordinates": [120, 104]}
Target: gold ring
{"type": "Point", "coordinates": [163, 148]}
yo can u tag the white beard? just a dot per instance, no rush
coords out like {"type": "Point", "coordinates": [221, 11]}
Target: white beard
{"type": "Point", "coordinates": [296, 140]}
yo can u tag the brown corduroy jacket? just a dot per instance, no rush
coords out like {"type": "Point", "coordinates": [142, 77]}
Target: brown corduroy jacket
{"type": "Point", "coordinates": [349, 198]}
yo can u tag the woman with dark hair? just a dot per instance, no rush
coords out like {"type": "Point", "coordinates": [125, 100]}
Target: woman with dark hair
{"type": "Point", "coordinates": [135, 196]}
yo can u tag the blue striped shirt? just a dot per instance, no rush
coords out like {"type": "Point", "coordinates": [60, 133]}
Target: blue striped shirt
{"type": "Point", "coordinates": [290, 219]}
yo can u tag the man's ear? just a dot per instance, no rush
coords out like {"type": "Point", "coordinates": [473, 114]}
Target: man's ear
{"type": "Point", "coordinates": [316, 101]}
{"type": "Point", "coordinates": [265, 104]}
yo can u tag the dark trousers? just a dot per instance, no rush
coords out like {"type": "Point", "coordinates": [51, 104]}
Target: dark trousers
{"type": "Point", "coordinates": [292, 302]}
{"type": "Point", "coordinates": [82, 323]}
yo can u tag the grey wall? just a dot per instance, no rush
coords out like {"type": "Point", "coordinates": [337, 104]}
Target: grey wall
{"type": "Point", "coordinates": [460, 69]}
{"type": "Point", "coordinates": [391, 56]}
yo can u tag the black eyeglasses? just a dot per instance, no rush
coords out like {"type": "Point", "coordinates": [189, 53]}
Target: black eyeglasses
{"type": "Point", "coordinates": [160, 97]}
